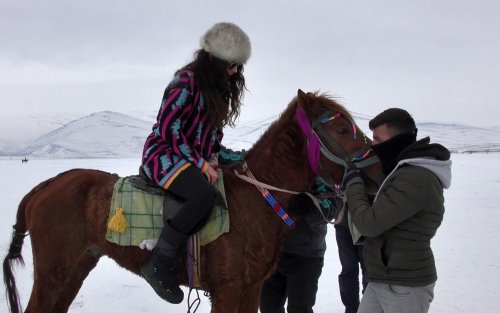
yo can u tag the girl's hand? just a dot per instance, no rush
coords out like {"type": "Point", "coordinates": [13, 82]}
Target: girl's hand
{"type": "Point", "coordinates": [211, 174]}
{"type": "Point", "coordinates": [214, 162]}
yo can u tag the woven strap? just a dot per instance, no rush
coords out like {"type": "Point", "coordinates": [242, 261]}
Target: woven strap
{"type": "Point", "coordinates": [263, 186]}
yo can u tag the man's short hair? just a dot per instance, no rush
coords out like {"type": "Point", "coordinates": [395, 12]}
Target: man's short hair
{"type": "Point", "coordinates": [396, 119]}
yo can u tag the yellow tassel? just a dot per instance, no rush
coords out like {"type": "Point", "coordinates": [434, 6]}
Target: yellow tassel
{"type": "Point", "coordinates": [118, 222]}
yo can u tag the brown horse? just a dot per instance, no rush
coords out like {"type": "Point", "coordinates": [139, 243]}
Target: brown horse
{"type": "Point", "coordinates": [66, 217]}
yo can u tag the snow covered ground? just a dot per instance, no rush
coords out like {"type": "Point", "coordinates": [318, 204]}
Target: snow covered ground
{"type": "Point", "coordinates": [466, 248]}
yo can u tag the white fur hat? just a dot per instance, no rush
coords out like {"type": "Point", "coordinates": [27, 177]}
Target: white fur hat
{"type": "Point", "coordinates": [227, 42]}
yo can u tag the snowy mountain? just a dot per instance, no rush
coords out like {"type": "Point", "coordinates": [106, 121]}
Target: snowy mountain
{"type": "Point", "coordinates": [462, 138]}
{"type": "Point", "coordinates": [23, 128]}
{"type": "Point", "coordinates": [246, 133]}
{"type": "Point", "coordinates": [6, 147]}
{"type": "Point", "coordinates": [99, 135]}
{"type": "Point", "coordinates": [458, 138]}
{"type": "Point", "coordinates": [116, 135]}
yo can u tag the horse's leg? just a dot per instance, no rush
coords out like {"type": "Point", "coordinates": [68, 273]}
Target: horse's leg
{"type": "Point", "coordinates": [55, 287]}
{"type": "Point", "coordinates": [71, 287]}
{"type": "Point", "coordinates": [43, 295]}
{"type": "Point", "coordinates": [231, 299]}
{"type": "Point", "coordinates": [58, 252]}
{"type": "Point", "coordinates": [226, 299]}
{"type": "Point", "coordinates": [250, 300]}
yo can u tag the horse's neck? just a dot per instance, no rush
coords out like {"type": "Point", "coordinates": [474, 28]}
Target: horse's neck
{"type": "Point", "coordinates": [281, 163]}
{"type": "Point", "coordinates": [278, 159]}
{"type": "Point", "coordinates": [280, 175]}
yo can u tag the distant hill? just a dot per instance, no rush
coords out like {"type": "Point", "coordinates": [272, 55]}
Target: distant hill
{"type": "Point", "coordinates": [116, 135]}
{"type": "Point", "coordinates": [99, 135]}
{"type": "Point", "coordinates": [6, 147]}
{"type": "Point", "coordinates": [462, 138]}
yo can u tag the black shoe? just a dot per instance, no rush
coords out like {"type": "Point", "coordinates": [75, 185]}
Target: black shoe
{"type": "Point", "coordinates": [163, 282]}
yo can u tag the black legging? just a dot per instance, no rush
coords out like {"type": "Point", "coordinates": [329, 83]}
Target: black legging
{"type": "Point", "coordinates": [192, 186]}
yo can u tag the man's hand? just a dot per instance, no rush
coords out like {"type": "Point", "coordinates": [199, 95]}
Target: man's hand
{"type": "Point", "coordinates": [353, 176]}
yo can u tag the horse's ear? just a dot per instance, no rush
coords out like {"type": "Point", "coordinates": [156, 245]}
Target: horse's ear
{"type": "Point", "coordinates": [302, 98]}
{"type": "Point", "coordinates": [305, 100]}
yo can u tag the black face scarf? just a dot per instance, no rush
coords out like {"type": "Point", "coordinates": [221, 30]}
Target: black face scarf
{"type": "Point", "coordinates": [389, 150]}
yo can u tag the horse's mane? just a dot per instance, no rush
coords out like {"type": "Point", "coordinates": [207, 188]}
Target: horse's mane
{"type": "Point", "coordinates": [326, 101]}
{"type": "Point", "coordinates": [287, 118]}
{"type": "Point", "coordinates": [283, 145]}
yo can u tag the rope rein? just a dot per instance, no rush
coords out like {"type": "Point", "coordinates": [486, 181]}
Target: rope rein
{"type": "Point", "coordinates": [264, 189]}
{"type": "Point", "coordinates": [358, 159]}
{"type": "Point", "coordinates": [277, 208]}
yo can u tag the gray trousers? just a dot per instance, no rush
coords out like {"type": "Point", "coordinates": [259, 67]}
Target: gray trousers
{"type": "Point", "coordinates": [385, 298]}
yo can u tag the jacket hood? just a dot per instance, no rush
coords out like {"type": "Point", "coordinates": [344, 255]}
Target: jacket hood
{"type": "Point", "coordinates": [442, 169]}
{"type": "Point", "coordinates": [424, 149]}
{"type": "Point", "coordinates": [434, 157]}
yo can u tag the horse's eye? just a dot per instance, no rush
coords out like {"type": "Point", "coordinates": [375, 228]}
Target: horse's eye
{"type": "Point", "coordinates": [341, 130]}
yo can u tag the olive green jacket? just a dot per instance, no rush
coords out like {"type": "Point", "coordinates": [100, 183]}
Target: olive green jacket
{"type": "Point", "coordinates": [399, 225]}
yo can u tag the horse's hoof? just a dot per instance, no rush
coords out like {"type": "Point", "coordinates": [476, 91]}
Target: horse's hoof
{"type": "Point", "coordinates": [163, 283]}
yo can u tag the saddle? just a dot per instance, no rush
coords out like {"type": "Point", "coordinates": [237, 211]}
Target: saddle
{"type": "Point", "coordinates": [136, 212]}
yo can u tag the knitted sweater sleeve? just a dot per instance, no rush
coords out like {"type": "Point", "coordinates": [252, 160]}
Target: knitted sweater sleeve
{"type": "Point", "coordinates": [178, 103]}
{"type": "Point", "coordinates": [228, 156]}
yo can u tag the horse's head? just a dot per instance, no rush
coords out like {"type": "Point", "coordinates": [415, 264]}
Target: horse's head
{"type": "Point", "coordinates": [335, 142]}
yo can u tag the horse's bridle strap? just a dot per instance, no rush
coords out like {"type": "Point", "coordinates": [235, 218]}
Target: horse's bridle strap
{"type": "Point", "coordinates": [263, 187]}
{"type": "Point", "coordinates": [349, 161]}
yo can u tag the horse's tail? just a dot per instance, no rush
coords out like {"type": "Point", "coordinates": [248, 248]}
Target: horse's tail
{"type": "Point", "coordinates": [16, 246]}
{"type": "Point", "coordinates": [14, 256]}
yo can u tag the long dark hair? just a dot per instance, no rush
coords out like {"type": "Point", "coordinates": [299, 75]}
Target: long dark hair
{"type": "Point", "coordinates": [222, 93]}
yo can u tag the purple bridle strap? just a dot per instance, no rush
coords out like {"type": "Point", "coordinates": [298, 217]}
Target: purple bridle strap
{"type": "Point", "coordinates": [312, 140]}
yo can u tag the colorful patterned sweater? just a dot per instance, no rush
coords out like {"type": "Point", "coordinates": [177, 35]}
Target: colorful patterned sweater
{"type": "Point", "coordinates": [181, 136]}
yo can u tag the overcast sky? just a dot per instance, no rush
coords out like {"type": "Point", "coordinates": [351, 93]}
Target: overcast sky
{"type": "Point", "coordinates": [439, 59]}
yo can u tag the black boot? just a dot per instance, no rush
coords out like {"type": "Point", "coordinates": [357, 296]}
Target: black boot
{"type": "Point", "coordinates": [158, 270]}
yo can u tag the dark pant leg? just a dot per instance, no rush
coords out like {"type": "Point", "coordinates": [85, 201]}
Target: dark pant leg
{"type": "Point", "coordinates": [192, 186]}
{"type": "Point", "coordinates": [349, 276]}
{"type": "Point", "coordinates": [361, 260]}
{"type": "Point", "coordinates": [273, 295]}
{"type": "Point", "coordinates": [197, 199]}
{"type": "Point", "coordinates": [302, 282]}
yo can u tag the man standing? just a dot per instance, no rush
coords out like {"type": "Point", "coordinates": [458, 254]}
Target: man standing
{"type": "Point", "coordinates": [351, 259]}
{"type": "Point", "coordinates": [300, 266]}
{"type": "Point", "coordinates": [404, 217]}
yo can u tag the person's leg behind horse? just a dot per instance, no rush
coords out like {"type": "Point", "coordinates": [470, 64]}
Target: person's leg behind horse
{"type": "Point", "coordinates": [349, 275]}
{"type": "Point", "coordinates": [198, 196]}
{"type": "Point", "coordinates": [273, 294]}
{"type": "Point", "coordinates": [302, 283]}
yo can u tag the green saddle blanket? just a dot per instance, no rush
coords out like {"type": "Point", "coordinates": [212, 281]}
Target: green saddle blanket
{"type": "Point", "coordinates": [135, 214]}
